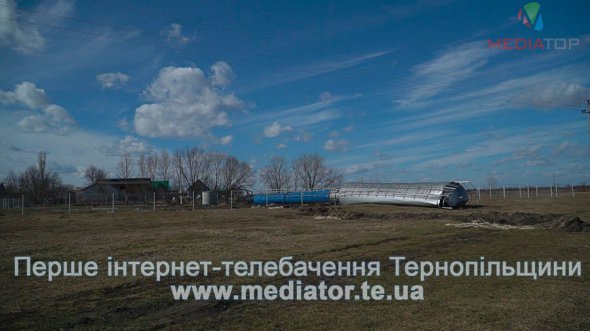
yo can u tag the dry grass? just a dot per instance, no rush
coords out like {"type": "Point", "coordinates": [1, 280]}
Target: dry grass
{"type": "Point", "coordinates": [260, 234]}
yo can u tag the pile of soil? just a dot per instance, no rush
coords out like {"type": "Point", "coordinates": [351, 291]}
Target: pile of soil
{"type": "Point", "coordinates": [547, 221]}
{"type": "Point", "coordinates": [572, 224]}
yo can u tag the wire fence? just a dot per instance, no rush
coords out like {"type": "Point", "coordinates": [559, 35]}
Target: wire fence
{"type": "Point", "coordinates": [20, 204]}
{"type": "Point", "coordinates": [527, 192]}
{"type": "Point", "coordinates": [152, 201]}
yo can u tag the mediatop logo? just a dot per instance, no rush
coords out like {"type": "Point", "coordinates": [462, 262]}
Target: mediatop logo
{"type": "Point", "coordinates": [530, 16]}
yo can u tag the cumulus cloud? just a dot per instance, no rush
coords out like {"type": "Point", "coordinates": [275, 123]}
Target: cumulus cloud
{"type": "Point", "coordinates": [133, 145]}
{"type": "Point", "coordinates": [185, 103]}
{"type": "Point", "coordinates": [48, 117]}
{"type": "Point", "coordinates": [222, 74]}
{"type": "Point", "coordinates": [112, 80]}
{"type": "Point", "coordinates": [275, 129]}
{"type": "Point", "coordinates": [226, 140]}
{"type": "Point", "coordinates": [303, 136]}
{"type": "Point", "coordinates": [332, 145]}
{"type": "Point", "coordinates": [22, 38]}
{"type": "Point", "coordinates": [173, 34]}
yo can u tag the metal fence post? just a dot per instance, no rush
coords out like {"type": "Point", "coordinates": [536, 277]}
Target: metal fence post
{"type": "Point", "coordinates": [528, 193]}
{"type": "Point", "coordinates": [573, 194]}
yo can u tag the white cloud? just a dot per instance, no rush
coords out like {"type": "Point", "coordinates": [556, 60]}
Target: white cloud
{"type": "Point", "coordinates": [326, 96]}
{"type": "Point", "coordinates": [281, 146]}
{"type": "Point", "coordinates": [76, 151]}
{"type": "Point", "coordinates": [275, 129]}
{"type": "Point", "coordinates": [303, 136]}
{"type": "Point", "coordinates": [332, 145]}
{"type": "Point", "coordinates": [26, 93]}
{"type": "Point", "coordinates": [222, 74]}
{"type": "Point", "coordinates": [22, 38]}
{"type": "Point", "coordinates": [454, 65]}
{"type": "Point", "coordinates": [49, 118]}
{"type": "Point", "coordinates": [547, 95]}
{"type": "Point", "coordinates": [226, 140]}
{"type": "Point", "coordinates": [185, 104]}
{"type": "Point", "coordinates": [133, 145]}
{"type": "Point", "coordinates": [173, 34]}
{"type": "Point", "coordinates": [349, 128]}
{"type": "Point", "coordinates": [112, 80]}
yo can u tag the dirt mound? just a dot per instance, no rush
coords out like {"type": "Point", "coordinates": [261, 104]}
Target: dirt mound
{"type": "Point", "coordinates": [511, 218]}
{"type": "Point", "coordinates": [573, 224]}
{"type": "Point", "coordinates": [517, 219]}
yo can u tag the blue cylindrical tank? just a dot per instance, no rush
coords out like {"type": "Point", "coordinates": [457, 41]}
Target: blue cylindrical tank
{"type": "Point", "coordinates": [295, 197]}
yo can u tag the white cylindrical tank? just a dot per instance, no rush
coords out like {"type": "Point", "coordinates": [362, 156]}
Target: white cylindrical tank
{"type": "Point", "coordinates": [206, 198]}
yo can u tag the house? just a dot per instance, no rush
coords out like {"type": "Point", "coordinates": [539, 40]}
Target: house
{"type": "Point", "coordinates": [122, 189]}
{"type": "Point", "coordinates": [198, 186]}
{"type": "Point", "coordinates": [2, 189]}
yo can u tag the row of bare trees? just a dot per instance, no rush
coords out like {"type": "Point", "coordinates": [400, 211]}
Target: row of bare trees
{"type": "Point", "coordinates": [37, 182]}
{"type": "Point", "coordinates": [219, 171]}
{"type": "Point", "coordinates": [309, 171]}
{"type": "Point", "coordinates": [223, 172]}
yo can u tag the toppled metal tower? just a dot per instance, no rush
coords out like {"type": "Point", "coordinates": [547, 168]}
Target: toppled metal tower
{"type": "Point", "coordinates": [443, 194]}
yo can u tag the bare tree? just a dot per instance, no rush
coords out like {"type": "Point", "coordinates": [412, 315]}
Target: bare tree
{"type": "Point", "coordinates": [310, 171]}
{"type": "Point", "coordinates": [196, 164]}
{"type": "Point", "coordinates": [41, 165]}
{"type": "Point", "coordinates": [11, 183]}
{"type": "Point", "coordinates": [94, 174]}
{"type": "Point", "coordinates": [125, 166]}
{"type": "Point", "coordinates": [236, 175]}
{"type": "Point", "coordinates": [36, 182]}
{"type": "Point", "coordinates": [125, 169]}
{"type": "Point", "coordinates": [152, 165]}
{"type": "Point", "coordinates": [179, 171]}
{"type": "Point", "coordinates": [276, 175]}
{"type": "Point", "coordinates": [164, 165]}
{"type": "Point", "coordinates": [142, 165]}
{"type": "Point", "coordinates": [216, 160]}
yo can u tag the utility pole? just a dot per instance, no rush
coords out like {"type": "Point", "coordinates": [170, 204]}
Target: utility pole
{"type": "Point", "coordinates": [587, 112]}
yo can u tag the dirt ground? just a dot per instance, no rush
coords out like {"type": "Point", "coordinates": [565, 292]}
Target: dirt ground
{"type": "Point", "coordinates": [498, 229]}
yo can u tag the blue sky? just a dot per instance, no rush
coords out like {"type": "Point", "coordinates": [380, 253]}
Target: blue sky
{"type": "Point", "coordinates": [387, 91]}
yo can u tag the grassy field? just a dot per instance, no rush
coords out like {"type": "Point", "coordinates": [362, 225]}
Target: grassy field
{"type": "Point", "coordinates": [373, 233]}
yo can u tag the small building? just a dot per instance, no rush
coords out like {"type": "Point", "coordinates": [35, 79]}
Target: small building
{"type": "Point", "coordinates": [123, 189]}
{"type": "Point", "coordinates": [97, 194]}
{"type": "Point", "coordinates": [161, 188]}
{"type": "Point", "coordinates": [2, 189]}
{"type": "Point", "coordinates": [203, 193]}
{"type": "Point", "coordinates": [198, 186]}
